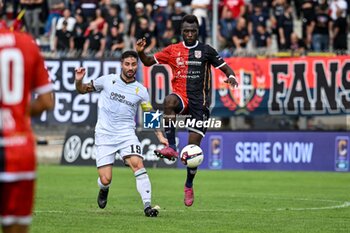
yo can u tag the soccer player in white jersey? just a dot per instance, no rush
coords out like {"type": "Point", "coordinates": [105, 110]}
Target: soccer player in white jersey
{"type": "Point", "coordinates": [119, 99]}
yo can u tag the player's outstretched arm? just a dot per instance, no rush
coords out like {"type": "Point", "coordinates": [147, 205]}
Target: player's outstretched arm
{"type": "Point", "coordinates": [79, 85]}
{"type": "Point", "coordinates": [231, 77]}
{"type": "Point", "coordinates": [161, 137]}
{"type": "Point", "coordinates": [147, 107]}
{"type": "Point", "coordinates": [140, 49]}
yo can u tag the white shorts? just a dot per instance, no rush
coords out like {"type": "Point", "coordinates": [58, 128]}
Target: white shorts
{"type": "Point", "coordinates": [106, 154]}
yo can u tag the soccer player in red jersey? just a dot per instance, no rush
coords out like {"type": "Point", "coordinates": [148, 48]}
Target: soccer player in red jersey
{"type": "Point", "coordinates": [22, 73]}
{"type": "Point", "coordinates": [190, 62]}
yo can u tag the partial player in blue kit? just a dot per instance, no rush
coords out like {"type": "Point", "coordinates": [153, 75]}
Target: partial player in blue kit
{"type": "Point", "coordinates": [120, 97]}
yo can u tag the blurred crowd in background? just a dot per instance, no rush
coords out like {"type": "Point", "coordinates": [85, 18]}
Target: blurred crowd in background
{"type": "Point", "coordinates": [92, 28]}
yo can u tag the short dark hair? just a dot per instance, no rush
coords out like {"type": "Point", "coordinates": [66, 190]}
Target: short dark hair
{"type": "Point", "coordinates": [190, 19]}
{"type": "Point", "coordinates": [129, 53]}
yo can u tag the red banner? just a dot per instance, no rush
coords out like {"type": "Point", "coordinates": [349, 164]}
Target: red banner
{"type": "Point", "coordinates": [294, 86]}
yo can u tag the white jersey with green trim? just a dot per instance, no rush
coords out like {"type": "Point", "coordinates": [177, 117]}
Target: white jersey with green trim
{"type": "Point", "coordinates": [117, 106]}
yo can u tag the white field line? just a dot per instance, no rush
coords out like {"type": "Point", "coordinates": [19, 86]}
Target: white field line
{"type": "Point", "coordinates": [272, 197]}
{"type": "Point", "coordinates": [49, 211]}
{"type": "Point", "coordinates": [344, 205]}
{"type": "Point", "coordinates": [340, 206]}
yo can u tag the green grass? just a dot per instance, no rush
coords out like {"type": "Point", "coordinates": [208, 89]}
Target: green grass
{"type": "Point", "coordinates": [225, 201]}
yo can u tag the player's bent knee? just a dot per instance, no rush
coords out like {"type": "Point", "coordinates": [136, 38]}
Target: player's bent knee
{"type": "Point", "coordinates": [171, 101]}
{"type": "Point", "coordinates": [106, 180]}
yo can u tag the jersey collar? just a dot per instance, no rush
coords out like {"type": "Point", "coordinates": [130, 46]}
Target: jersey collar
{"type": "Point", "coordinates": [127, 82]}
{"type": "Point", "coordinates": [190, 47]}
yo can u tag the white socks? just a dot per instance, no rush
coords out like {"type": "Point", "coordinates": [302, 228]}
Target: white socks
{"type": "Point", "coordinates": [102, 186]}
{"type": "Point", "coordinates": [143, 186]}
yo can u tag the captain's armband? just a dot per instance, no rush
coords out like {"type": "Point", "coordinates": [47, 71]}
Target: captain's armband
{"type": "Point", "coordinates": [146, 106]}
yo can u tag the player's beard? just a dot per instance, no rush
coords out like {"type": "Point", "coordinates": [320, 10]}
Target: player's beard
{"type": "Point", "coordinates": [130, 74]}
{"type": "Point", "coordinates": [190, 43]}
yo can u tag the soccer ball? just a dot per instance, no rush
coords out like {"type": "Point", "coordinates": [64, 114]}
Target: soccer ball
{"type": "Point", "coordinates": [192, 156]}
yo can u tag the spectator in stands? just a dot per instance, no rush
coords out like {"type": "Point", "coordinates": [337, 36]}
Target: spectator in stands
{"type": "Point", "coordinates": [136, 19]}
{"type": "Point", "coordinates": [319, 30]}
{"type": "Point", "coordinates": [79, 11]}
{"type": "Point", "coordinates": [340, 33]}
{"type": "Point", "coordinates": [115, 44]}
{"type": "Point", "coordinates": [262, 38]}
{"type": "Point", "coordinates": [149, 5]}
{"type": "Point", "coordinates": [297, 45]}
{"type": "Point", "coordinates": [336, 5]}
{"type": "Point", "coordinates": [100, 21]}
{"type": "Point", "coordinates": [186, 6]}
{"type": "Point", "coordinates": [160, 3]}
{"type": "Point", "coordinates": [278, 7]}
{"type": "Point", "coordinates": [308, 9]}
{"type": "Point", "coordinates": [264, 4]}
{"type": "Point", "coordinates": [78, 33]}
{"type": "Point", "coordinates": [323, 3]}
{"type": "Point", "coordinates": [114, 20]}
{"type": "Point", "coordinates": [237, 8]}
{"type": "Point", "coordinates": [55, 10]}
{"type": "Point", "coordinates": [95, 43]}
{"type": "Point", "coordinates": [170, 37]}
{"type": "Point", "coordinates": [66, 17]}
{"type": "Point", "coordinates": [63, 40]}
{"type": "Point", "coordinates": [31, 16]}
{"type": "Point", "coordinates": [73, 5]}
{"type": "Point", "coordinates": [175, 18]}
{"type": "Point", "coordinates": [200, 9]}
{"type": "Point", "coordinates": [139, 13]}
{"type": "Point", "coordinates": [285, 28]}
{"type": "Point", "coordinates": [147, 33]}
{"type": "Point", "coordinates": [257, 18]}
{"type": "Point", "coordinates": [160, 18]}
{"type": "Point", "coordinates": [240, 36]}
{"type": "Point", "coordinates": [225, 28]}
{"type": "Point", "coordinates": [88, 8]}
{"type": "Point", "coordinates": [131, 9]}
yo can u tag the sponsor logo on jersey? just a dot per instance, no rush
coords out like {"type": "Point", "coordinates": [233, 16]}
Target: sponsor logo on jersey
{"type": "Point", "coordinates": [197, 54]}
{"type": "Point", "coordinates": [180, 61]}
{"type": "Point", "coordinates": [121, 98]}
{"type": "Point", "coordinates": [193, 63]}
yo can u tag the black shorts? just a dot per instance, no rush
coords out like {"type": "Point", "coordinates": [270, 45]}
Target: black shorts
{"type": "Point", "coordinates": [197, 114]}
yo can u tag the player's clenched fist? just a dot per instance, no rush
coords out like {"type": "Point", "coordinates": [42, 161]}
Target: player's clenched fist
{"type": "Point", "coordinates": [79, 73]}
{"type": "Point", "coordinates": [232, 81]}
{"type": "Point", "coordinates": [140, 44]}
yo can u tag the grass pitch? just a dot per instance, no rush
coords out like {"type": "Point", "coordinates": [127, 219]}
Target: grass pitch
{"type": "Point", "coordinates": [225, 201]}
